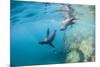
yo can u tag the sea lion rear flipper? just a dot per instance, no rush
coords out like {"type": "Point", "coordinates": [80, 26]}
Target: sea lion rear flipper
{"type": "Point", "coordinates": [51, 45]}
{"type": "Point", "coordinates": [48, 32]}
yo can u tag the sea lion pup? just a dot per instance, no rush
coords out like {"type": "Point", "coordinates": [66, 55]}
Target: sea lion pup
{"type": "Point", "coordinates": [67, 22]}
{"type": "Point", "coordinates": [50, 37]}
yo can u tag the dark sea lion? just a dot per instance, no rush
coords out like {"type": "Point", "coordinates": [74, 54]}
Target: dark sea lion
{"type": "Point", "coordinates": [50, 37]}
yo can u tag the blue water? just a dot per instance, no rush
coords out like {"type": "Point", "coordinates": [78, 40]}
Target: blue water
{"type": "Point", "coordinates": [29, 23]}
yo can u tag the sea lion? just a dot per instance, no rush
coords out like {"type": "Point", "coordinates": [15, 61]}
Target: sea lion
{"type": "Point", "coordinates": [48, 40]}
{"type": "Point", "coordinates": [67, 22]}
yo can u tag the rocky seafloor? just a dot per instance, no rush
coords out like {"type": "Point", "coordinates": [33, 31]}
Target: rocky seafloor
{"type": "Point", "coordinates": [80, 39]}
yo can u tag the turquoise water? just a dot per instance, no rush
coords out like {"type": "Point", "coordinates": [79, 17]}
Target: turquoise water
{"type": "Point", "coordinates": [29, 23]}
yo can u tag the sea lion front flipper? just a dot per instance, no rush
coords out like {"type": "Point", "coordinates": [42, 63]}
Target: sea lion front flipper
{"type": "Point", "coordinates": [51, 45]}
{"type": "Point", "coordinates": [72, 24]}
{"type": "Point", "coordinates": [48, 32]}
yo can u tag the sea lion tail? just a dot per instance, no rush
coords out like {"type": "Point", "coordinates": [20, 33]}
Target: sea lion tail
{"type": "Point", "coordinates": [51, 45]}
